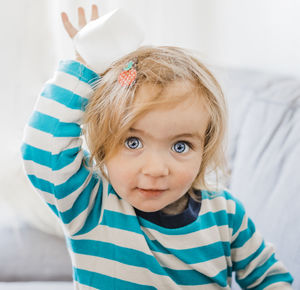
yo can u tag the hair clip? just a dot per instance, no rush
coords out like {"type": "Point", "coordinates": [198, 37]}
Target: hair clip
{"type": "Point", "coordinates": [128, 76]}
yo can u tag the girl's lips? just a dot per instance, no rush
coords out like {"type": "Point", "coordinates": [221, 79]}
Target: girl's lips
{"type": "Point", "coordinates": [151, 192]}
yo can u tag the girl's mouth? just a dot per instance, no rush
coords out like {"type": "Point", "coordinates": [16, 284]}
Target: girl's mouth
{"type": "Point", "coordinates": [151, 192]}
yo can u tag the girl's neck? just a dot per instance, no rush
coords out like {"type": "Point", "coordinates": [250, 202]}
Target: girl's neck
{"type": "Point", "coordinates": [177, 207]}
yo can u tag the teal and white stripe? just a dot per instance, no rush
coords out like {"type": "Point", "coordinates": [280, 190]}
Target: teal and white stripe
{"type": "Point", "coordinates": [111, 247]}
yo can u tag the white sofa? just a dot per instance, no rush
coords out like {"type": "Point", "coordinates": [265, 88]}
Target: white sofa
{"type": "Point", "coordinates": [264, 155]}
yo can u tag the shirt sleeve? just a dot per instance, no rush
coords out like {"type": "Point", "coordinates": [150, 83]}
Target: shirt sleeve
{"type": "Point", "coordinates": [253, 259]}
{"type": "Point", "coordinates": [54, 160]}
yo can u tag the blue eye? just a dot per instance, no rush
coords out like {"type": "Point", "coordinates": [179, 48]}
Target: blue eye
{"type": "Point", "coordinates": [133, 143]}
{"type": "Point", "coordinates": [181, 147]}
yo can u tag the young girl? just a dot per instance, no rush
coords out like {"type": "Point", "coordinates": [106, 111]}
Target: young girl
{"type": "Point", "coordinates": [137, 211]}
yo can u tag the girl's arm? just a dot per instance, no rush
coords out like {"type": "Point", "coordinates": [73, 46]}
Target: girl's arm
{"type": "Point", "coordinates": [53, 157]}
{"type": "Point", "coordinates": [253, 259]}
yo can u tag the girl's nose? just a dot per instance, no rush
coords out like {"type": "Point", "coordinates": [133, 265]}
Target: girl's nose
{"type": "Point", "coordinates": [154, 165]}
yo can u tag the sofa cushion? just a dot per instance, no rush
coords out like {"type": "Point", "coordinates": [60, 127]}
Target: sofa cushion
{"type": "Point", "coordinates": [28, 254]}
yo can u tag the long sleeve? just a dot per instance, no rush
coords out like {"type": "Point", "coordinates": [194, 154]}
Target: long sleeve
{"type": "Point", "coordinates": [52, 149]}
{"type": "Point", "coordinates": [253, 259]}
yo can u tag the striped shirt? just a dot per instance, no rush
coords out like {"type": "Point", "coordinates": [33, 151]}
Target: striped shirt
{"type": "Point", "coordinates": [111, 247]}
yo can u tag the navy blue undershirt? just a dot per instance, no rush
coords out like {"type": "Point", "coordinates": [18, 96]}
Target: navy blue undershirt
{"type": "Point", "coordinates": [182, 219]}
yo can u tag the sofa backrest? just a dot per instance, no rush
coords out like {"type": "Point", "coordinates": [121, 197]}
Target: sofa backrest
{"type": "Point", "coordinates": [264, 156]}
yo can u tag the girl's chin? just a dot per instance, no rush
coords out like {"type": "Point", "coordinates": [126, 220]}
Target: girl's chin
{"type": "Point", "coordinates": [147, 207]}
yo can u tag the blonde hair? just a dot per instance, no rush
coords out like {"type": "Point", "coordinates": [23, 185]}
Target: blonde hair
{"type": "Point", "coordinates": [114, 108]}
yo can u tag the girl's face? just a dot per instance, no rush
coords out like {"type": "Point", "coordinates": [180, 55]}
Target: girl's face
{"type": "Point", "coordinates": [162, 154]}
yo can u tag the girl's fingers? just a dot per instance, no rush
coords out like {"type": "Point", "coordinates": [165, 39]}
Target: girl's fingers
{"type": "Point", "coordinates": [81, 17]}
{"type": "Point", "coordinates": [95, 13]}
{"type": "Point", "coordinates": [71, 30]}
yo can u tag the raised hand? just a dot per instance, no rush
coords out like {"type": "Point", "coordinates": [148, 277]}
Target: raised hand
{"type": "Point", "coordinates": [72, 31]}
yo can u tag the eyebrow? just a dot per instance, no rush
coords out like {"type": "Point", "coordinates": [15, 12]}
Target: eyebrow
{"type": "Point", "coordinates": [182, 135]}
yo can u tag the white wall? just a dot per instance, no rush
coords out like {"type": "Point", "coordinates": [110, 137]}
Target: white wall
{"type": "Point", "coordinates": [258, 34]}
{"type": "Point", "coordinates": [26, 61]}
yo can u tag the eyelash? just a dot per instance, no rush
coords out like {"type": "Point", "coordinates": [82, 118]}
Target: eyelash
{"type": "Point", "coordinates": [189, 144]}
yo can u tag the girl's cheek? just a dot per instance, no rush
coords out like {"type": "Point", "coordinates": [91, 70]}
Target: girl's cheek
{"type": "Point", "coordinates": [186, 177]}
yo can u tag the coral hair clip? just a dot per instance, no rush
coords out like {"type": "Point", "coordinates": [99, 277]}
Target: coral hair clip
{"type": "Point", "coordinates": [128, 75]}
